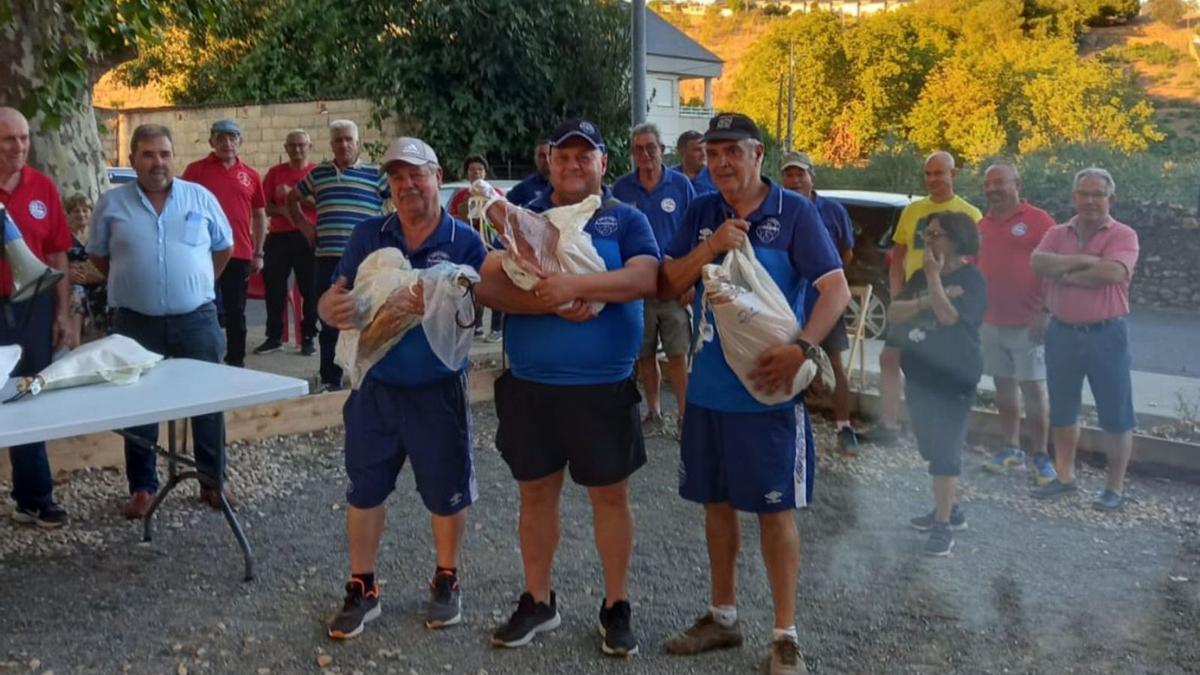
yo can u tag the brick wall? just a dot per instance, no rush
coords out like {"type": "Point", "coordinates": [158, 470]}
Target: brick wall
{"type": "Point", "coordinates": [264, 128]}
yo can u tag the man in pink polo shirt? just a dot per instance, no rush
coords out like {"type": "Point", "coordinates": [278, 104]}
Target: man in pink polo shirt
{"type": "Point", "coordinates": [239, 191]}
{"type": "Point", "coordinates": [1088, 263]}
{"type": "Point", "coordinates": [1014, 324]}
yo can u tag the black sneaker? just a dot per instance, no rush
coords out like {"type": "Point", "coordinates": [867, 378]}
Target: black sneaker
{"type": "Point", "coordinates": [848, 441]}
{"type": "Point", "coordinates": [941, 541]}
{"type": "Point", "coordinates": [307, 348]}
{"type": "Point", "coordinates": [1055, 489]}
{"type": "Point", "coordinates": [268, 347]}
{"type": "Point", "coordinates": [49, 516]}
{"type": "Point", "coordinates": [925, 523]}
{"type": "Point", "coordinates": [1108, 501]}
{"type": "Point", "coordinates": [530, 619]}
{"type": "Point", "coordinates": [361, 605]}
{"type": "Point", "coordinates": [445, 601]}
{"type": "Point", "coordinates": [616, 630]}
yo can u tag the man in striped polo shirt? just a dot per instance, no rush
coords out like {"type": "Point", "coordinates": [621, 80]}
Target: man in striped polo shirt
{"type": "Point", "coordinates": [344, 192]}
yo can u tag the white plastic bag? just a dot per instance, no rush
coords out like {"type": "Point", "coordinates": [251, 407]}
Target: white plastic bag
{"type": "Point", "coordinates": [751, 316]}
{"type": "Point", "coordinates": [116, 358]}
{"type": "Point", "coordinates": [448, 303]}
{"type": "Point", "coordinates": [548, 242]}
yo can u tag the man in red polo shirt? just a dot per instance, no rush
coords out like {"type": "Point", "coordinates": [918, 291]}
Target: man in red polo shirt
{"type": "Point", "coordinates": [239, 191]}
{"type": "Point", "coordinates": [41, 324]}
{"type": "Point", "coordinates": [1088, 263]}
{"type": "Point", "coordinates": [286, 249]}
{"type": "Point", "coordinates": [1014, 324]}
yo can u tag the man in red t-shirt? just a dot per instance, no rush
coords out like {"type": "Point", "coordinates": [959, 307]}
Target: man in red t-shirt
{"type": "Point", "coordinates": [1014, 323]}
{"type": "Point", "coordinates": [239, 191]}
{"type": "Point", "coordinates": [41, 324]}
{"type": "Point", "coordinates": [286, 249]}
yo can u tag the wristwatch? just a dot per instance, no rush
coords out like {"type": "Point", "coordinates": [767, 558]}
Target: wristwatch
{"type": "Point", "coordinates": [810, 350]}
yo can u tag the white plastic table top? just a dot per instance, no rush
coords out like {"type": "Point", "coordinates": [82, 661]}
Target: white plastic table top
{"type": "Point", "coordinates": [173, 389]}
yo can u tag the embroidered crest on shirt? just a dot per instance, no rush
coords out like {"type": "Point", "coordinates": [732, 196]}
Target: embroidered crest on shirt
{"type": "Point", "coordinates": [438, 257]}
{"type": "Point", "coordinates": [668, 205]}
{"type": "Point", "coordinates": [243, 178]}
{"type": "Point", "coordinates": [767, 230]}
{"type": "Point", "coordinates": [605, 225]}
{"type": "Point", "coordinates": [37, 209]}
{"type": "Point", "coordinates": [705, 233]}
{"type": "Point", "coordinates": [1019, 230]}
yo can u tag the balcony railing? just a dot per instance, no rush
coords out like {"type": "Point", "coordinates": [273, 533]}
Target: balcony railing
{"type": "Point", "coordinates": [695, 111]}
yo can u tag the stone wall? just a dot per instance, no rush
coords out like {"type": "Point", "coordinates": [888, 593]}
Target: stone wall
{"type": "Point", "coordinates": [264, 128]}
{"type": "Point", "coordinates": [1168, 271]}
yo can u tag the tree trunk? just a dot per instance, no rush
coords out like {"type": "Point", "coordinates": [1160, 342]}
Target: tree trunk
{"type": "Point", "coordinates": [71, 153]}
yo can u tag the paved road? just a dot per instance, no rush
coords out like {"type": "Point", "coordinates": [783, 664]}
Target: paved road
{"type": "Point", "coordinates": [1166, 342]}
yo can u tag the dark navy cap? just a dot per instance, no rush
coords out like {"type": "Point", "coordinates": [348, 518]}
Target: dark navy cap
{"type": "Point", "coordinates": [731, 127]}
{"type": "Point", "coordinates": [577, 128]}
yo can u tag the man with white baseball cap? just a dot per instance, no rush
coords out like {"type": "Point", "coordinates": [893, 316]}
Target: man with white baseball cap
{"type": "Point", "coordinates": [410, 405]}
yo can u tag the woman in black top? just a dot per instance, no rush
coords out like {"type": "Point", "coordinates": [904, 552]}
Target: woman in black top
{"type": "Point", "coordinates": [88, 287]}
{"type": "Point", "coordinates": [938, 317]}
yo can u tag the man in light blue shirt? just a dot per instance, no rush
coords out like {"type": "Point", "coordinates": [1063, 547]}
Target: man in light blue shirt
{"type": "Point", "coordinates": [162, 241]}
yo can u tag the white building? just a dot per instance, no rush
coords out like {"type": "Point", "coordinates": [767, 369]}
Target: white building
{"type": "Point", "coordinates": [672, 56]}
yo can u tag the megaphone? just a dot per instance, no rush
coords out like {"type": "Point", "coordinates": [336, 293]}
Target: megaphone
{"type": "Point", "coordinates": [30, 276]}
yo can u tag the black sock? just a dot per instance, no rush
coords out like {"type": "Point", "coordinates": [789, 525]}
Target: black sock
{"type": "Point", "coordinates": [367, 579]}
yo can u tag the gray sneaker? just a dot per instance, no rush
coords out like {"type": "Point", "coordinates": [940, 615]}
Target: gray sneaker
{"type": "Point", "coordinates": [786, 658]}
{"type": "Point", "coordinates": [445, 602]}
{"type": "Point", "coordinates": [925, 523]}
{"type": "Point", "coordinates": [705, 635]}
{"type": "Point", "coordinates": [1109, 501]}
{"type": "Point", "coordinates": [1055, 489]}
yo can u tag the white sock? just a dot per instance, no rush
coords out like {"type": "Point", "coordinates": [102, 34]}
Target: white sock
{"type": "Point", "coordinates": [725, 615]}
{"type": "Point", "coordinates": [789, 632]}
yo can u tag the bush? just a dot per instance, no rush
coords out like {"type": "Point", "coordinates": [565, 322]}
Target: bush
{"type": "Point", "coordinates": [1155, 53]}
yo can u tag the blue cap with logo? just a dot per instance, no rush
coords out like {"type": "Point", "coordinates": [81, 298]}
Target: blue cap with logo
{"type": "Point", "coordinates": [731, 127]}
{"type": "Point", "coordinates": [577, 128]}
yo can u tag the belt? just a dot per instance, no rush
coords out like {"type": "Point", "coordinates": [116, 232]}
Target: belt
{"type": "Point", "coordinates": [1090, 327]}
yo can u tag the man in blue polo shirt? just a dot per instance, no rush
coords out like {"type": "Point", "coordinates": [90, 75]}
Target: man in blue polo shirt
{"type": "Point", "coordinates": [409, 406]}
{"type": "Point", "coordinates": [536, 184]}
{"type": "Point", "coordinates": [797, 175]}
{"type": "Point", "coordinates": [569, 400]}
{"type": "Point", "coordinates": [663, 195]}
{"type": "Point", "coordinates": [736, 453]}
{"type": "Point", "coordinates": [344, 192]}
{"type": "Point", "coordinates": [689, 147]}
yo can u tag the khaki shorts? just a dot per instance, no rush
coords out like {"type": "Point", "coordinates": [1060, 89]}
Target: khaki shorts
{"type": "Point", "coordinates": [668, 320]}
{"type": "Point", "coordinates": [1009, 353]}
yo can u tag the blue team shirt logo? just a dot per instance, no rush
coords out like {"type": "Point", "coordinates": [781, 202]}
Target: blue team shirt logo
{"type": "Point", "coordinates": [668, 205]}
{"type": "Point", "coordinates": [438, 257]}
{"type": "Point", "coordinates": [37, 209]}
{"type": "Point", "coordinates": [605, 225]}
{"type": "Point", "coordinates": [767, 230]}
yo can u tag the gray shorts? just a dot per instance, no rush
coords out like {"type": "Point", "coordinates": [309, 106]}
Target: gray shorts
{"type": "Point", "coordinates": [668, 320]}
{"type": "Point", "coordinates": [1009, 353]}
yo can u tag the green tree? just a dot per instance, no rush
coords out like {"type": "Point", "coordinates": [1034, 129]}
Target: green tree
{"type": "Point", "coordinates": [821, 75]}
{"type": "Point", "coordinates": [958, 111]}
{"type": "Point", "coordinates": [1170, 12]}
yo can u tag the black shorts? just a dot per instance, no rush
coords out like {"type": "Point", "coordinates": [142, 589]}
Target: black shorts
{"type": "Point", "coordinates": [593, 429]}
{"type": "Point", "coordinates": [838, 340]}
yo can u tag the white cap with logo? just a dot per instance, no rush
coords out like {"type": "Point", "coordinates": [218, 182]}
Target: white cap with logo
{"type": "Point", "coordinates": [410, 151]}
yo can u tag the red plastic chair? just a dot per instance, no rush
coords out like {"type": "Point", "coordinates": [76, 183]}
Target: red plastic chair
{"type": "Point", "coordinates": [256, 290]}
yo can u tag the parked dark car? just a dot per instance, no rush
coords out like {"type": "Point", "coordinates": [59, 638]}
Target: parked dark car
{"type": "Point", "coordinates": [874, 215]}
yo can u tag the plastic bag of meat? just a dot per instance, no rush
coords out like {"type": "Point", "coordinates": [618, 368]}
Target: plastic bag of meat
{"type": "Point", "coordinates": [449, 306]}
{"type": "Point", "coordinates": [543, 243]}
{"type": "Point", "coordinates": [751, 316]}
{"type": "Point", "coordinates": [116, 359]}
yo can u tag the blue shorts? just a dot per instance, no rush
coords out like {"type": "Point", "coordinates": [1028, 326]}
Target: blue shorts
{"type": "Point", "coordinates": [431, 424]}
{"type": "Point", "coordinates": [1099, 352]}
{"type": "Point", "coordinates": [761, 462]}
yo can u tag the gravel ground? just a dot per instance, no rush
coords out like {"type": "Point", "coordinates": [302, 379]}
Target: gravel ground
{"type": "Point", "coordinates": [1031, 588]}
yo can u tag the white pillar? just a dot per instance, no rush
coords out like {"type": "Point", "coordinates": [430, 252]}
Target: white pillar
{"type": "Point", "coordinates": [708, 103]}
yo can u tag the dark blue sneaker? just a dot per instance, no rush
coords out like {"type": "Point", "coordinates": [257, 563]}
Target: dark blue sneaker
{"type": "Point", "coordinates": [1005, 460]}
{"type": "Point", "coordinates": [1043, 469]}
{"type": "Point", "coordinates": [616, 629]}
{"type": "Point", "coordinates": [1108, 501]}
{"type": "Point", "coordinates": [1055, 489]}
{"type": "Point", "coordinates": [50, 516]}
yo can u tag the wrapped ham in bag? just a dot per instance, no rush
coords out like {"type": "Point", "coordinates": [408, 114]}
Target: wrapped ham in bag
{"type": "Point", "coordinates": [543, 243]}
{"type": "Point", "coordinates": [751, 316]}
{"type": "Point", "coordinates": [115, 358]}
{"type": "Point", "coordinates": [445, 288]}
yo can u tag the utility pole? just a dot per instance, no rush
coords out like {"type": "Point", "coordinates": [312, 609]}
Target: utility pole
{"type": "Point", "coordinates": [779, 109]}
{"type": "Point", "coordinates": [638, 62]}
{"type": "Point", "coordinates": [791, 93]}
